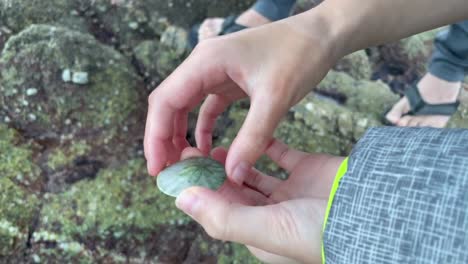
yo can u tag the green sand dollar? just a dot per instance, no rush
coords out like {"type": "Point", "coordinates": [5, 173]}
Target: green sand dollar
{"type": "Point", "coordinates": [197, 171]}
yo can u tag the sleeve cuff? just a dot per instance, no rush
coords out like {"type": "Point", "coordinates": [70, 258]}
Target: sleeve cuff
{"type": "Point", "coordinates": [339, 174]}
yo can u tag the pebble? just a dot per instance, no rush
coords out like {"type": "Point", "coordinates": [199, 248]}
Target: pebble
{"type": "Point", "coordinates": [66, 75]}
{"type": "Point", "coordinates": [32, 117]}
{"type": "Point", "coordinates": [80, 78]}
{"type": "Point", "coordinates": [31, 91]}
{"type": "Point", "coordinates": [133, 25]}
{"type": "Point", "coordinates": [309, 106]}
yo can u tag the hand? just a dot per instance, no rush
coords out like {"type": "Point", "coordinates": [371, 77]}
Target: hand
{"type": "Point", "coordinates": [279, 221]}
{"type": "Point", "coordinates": [274, 65]}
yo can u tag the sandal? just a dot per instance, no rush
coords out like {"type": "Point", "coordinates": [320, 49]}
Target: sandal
{"type": "Point", "coordinates": [420, 107]}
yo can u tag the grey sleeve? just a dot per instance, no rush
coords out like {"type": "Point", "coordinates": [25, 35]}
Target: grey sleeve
{"type": "Point", "coordinates": [404, 199]}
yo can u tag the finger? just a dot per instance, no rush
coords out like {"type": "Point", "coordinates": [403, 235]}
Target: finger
{"type": "Point", "coordinates": [190, 152]}
{"type": "Point", "coordinates": [261, 182]}
{"type": "Point", "coordinates": [229, 221]}
{"type": "Point", "coordinates": [242, 194]}
{"type": "Point", "coordinates": [183, 89]}
{"type": "Point", "coordinates": [213, 106]}
{"type": "Point", "coordinates": [219, 154]}
{"type": "Point", "coordinates": [254, 136]}
{"type": "Point", "coordinates": [255, 179]}
{"type": "Point", "coordinates": [180, 131]}
{"type": "Point", "coordinates": [285, 157]}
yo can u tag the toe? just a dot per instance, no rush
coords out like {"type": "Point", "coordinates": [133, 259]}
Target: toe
{"type": "Point", "coordinates": [398, 110]}
{"type": "Point", "coordinates": [437, 121]}
{"type": "Point", "coordinates": [403, 122]}
{"type": "Point", "coordinates": [210, 28]}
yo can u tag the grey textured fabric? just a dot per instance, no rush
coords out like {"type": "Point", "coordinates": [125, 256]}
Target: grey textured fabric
{"type": "Point", "coordinates": [404, 199]}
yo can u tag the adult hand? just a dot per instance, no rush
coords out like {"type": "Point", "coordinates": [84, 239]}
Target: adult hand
{"type": "Point", "coordinates": [279, 221]}
{"type": "Point", "coordinates": [274, 65]}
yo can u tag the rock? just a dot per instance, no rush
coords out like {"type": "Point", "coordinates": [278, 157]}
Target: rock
{"type": "Point", "coordinates": [31, 91]}
{"type": "Point", "coordinates": [172, 50]}
{"type": "Point", "coordinates": [19, 14]}
{"type": "Point", "coordinates": [157, 59]}
{"type": "Point", "coordinates": [80, 78]}
{"type": "Point", "coordinates": [106, 102]}
{"type": "Point", "coordinates": [66, 75]}
{"type": "Point", "coordinates": [117, 215]}
{"type": "Point", "coordinates": [460, 118]}
{"type": "Point", "coordinates": [17, 212]}
{"type": "Point", "coordinates": [356, 64]}
{"type": "Point", "coordinates": [4, 35]}
{"type": "Point", "coordinates": [90, 110]}
{"type": "Point", "coordinates": [16, 159]}
{"type": "Point", "coordinates": [314, 125]}
{"type": "Point", "coordinates": [370, 97]}
{"type": "Point", "coordinates": [204, 172]}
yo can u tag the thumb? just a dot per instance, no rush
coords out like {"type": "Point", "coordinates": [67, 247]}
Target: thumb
{"type": "Point", "coordinates": [257, 226]}
{"type": "Point", "coordinates": [254, 136]}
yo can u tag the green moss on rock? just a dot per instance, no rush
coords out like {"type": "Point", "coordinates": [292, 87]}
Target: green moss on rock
{"type": "Point", "coordinates": [120, 207]}
{"type": "Point", "coordinates": [38, 56]}
{"type": "Point", "coordinates": [60, 157]}
{"type": "Point", "coordinates": [17, 209]}
{"type": "Point", "coordinates": [313, 125]}
{"type": "Point", "coordinates": [359, 95]}
{"type": "Point", "coordinates": [19, 14]}
{"type": "Point", "coordinates": [356, 64]}
{"type": "Point", "coordinates": [238, 254]}
{"type": "Point", "coordinates": [16, 159]}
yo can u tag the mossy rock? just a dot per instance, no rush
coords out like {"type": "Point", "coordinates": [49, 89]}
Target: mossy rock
{"type": "Point", "coordinates": [156, 59]}
{"type": "Point", "coordinates": [369, 97]}
{"type": "Point", "coordinates": [460, 118]}
{"type": "Point", "coordinates": [17, 212]}
{"type": "Point", "coordinates": [316, 124]}
{"type": "Point", "coordinates": [16, 161]}
{"type": "Point", "coordinates": [36, 60]}
{"type": "Point", "coordinates": [356, 64]}
{"type": "Point", "coordinates": [19, 14]}
{"type": "Point", "coordinates": [120, 211]}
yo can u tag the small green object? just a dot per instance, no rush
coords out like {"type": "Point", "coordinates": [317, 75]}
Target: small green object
{"type": "Point", "coordinates": [204, 172]}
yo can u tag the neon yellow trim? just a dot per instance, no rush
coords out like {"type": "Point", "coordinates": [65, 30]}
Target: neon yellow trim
{"type": "Point", "coordinates": [339, 174]}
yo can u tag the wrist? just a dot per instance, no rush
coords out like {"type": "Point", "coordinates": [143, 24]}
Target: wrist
{"type": "Point", "coordinates": [339, 24]}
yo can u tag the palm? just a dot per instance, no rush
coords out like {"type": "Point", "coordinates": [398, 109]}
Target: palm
{"type": "Point", "coordinates": [296, 206]}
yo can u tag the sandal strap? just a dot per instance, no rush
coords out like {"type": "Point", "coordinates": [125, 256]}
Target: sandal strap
{"type": "Point", "coordinates": [230, 25]}
{"type": "Point", "coordinates": [420, 107]}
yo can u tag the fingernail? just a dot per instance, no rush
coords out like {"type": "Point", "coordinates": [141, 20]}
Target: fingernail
{"type": "Point", "coordinates": [240, 171]}
{"type": "Point", "coordinates": [187, 201]}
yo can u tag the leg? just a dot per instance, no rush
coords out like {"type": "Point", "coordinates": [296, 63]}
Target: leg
{"type": "Point", "coordinates": [262, 12]}
{"type": "Point", "coordinates": [447, 68]}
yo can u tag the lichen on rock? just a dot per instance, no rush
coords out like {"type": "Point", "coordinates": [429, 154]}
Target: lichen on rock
{"type": "Point", "coordinates": [17, 212]}
{"type": "Point", "coordinates": [356, 64]}
{"type": "Point", "coordinates": [370, 97]}
{"type": "Point", "coordinates": [16, 159]}
{"type": "Point", "coordinates": [19, 14]}
{"type": "Point", "coordinates": [120, 207]}
{"type": "Point", "coordinates": [37, 56]}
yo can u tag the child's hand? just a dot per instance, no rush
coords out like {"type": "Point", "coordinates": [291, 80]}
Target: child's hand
{"type": "Point", "coordinates": [279, 221]}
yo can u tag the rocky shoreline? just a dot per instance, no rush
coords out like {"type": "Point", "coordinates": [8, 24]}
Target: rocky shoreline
{"type": "Point", "coordinates": [74, 81]}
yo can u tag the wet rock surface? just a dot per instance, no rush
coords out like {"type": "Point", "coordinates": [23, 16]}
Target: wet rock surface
{"type": "Point", "coordinates": [74, 80]}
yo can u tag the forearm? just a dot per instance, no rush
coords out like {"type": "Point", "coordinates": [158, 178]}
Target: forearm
{"type": "Point", "coordinates": [357, 24]}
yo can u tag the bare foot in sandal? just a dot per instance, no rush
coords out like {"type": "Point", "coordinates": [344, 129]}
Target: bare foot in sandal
{"type": "Point", "coordinates": [433, 90]}
{"type": "Point", "coordinates": [212, 27]}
